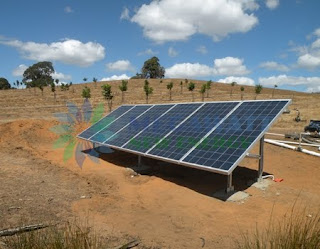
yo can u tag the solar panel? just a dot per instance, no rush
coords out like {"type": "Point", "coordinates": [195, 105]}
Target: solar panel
{"type": "Point", "coordinates": [184, 137]}
{"type": "Point", "coordinates": [154, 133]}
{"type": "Point", "coordinates": [104, 122]}
{"type": "Point", "coordinates": [137, 125]}
{"type": "Point", "coordinates": [119, 123]}
{"type": "Point", "coordinates": [229, 142]}
{"type": "Point", "coordinates": [213, 136]}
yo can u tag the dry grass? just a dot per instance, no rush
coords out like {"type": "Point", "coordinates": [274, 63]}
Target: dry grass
{"type": "Point", "coordinates": [295, 231]}
{"type": "Point", "coordinates": [66, 236]}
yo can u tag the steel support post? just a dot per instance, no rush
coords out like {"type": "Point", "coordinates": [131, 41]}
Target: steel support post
{"type": "Point", "coordinates": [230, 187]}
{"type": "Point", "coordinates": [260, 171]}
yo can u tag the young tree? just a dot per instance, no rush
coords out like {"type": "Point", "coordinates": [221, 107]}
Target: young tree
{"type": "Point", "coordinates": [169, 87]}
{"type": "Point", "coordinates": [108, 95]}
{"type": "Point", "coordinates": [258, 89]}
{"type": "Point", "coordinates": [242, 91]}
{"type": "Point", "coordinates": [147, 89]}
{"type": "Point", "coordinates": [208, 86]}
{"type": "Point", "coordinates": [152, 69]}
{"type": "Point", "coordinates": [95, 81]}
{"type": "Point", "coordinates": [39, 75]}
{"type": "Point", "coordinates": [18, 84]}
{"type": "Point", "coordinates": [86, 93]}
{"type": "Point", "coordinates": [181, 87]}
{"type": "Point", "coordinates": [53, 89]}
{"type": "Point", "coordinates": [123, 88]}
{"type": "Point", "coordinates": [85, 79]}
{"type": "Point", "coordinates": [203, 91]}
{"type": "Point", "coordinates": [186, 81]}
{"type": "Point", "coordinates": [232, 85]}
{"type": "Point", "coordinates": [274, 88]}
{"type": "Point", "coordinates": [191, 87]}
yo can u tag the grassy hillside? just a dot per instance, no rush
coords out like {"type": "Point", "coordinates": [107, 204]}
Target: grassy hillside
{"type": "Point", "coordinates": [29, 103]}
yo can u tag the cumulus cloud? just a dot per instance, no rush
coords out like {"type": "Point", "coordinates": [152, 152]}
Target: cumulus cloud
{"type": "Point", "coordinates": [116, 77]}
{"type": "Point", "coordinates": [240, 80]}
{"type": "Point", "coordinates": [61, 77]}
{"type": "Point", "coordinates": [272, 4]}
{"type": "Point", "coordinates": [202, 49]}
{"type": "Point", "coordinates": [68, 10]}
{"type": "Point", "coordinates": [312, 84]}
{"type": "Point", "coordinates": [188, 70]}
{"type": "Point", "coordinates": [18, 72]}
{"type": "Point", "coordinates": [229, 66]}
{"type": "Point", "coordinates": [68, 51]}
{"type": "Point", "coordinates": [120, 65]}
{"type": "Point", "coordinates": [148, 51]}
{"type": "Point", "coordinates": [125, 14]}
{"type": "Point", "coordinates": [172, 52]}
{"type": "Point", "coordinates": [223, 66]}
{"type": "Point", "coordinates": [177, 20]}
{"type": "Point", "coordinates": [309, 56]}
{"type": "Point", "coordinates": [274, 66]}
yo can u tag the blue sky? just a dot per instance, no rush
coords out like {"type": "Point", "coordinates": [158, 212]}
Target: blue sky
{"type": "Point", "coordinates": [251, 42]}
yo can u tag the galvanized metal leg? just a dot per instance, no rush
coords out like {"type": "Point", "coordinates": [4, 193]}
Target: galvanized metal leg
{"type": "Point", "coordinates": [139, 160]}
{"type": "Point", "coordinates": [260, 171]}
{"type": "Point", "coordinates": [230, 187]}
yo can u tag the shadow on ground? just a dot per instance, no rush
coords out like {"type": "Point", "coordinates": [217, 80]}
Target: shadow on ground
{"type": "Point", "coordinates": [203, 182]}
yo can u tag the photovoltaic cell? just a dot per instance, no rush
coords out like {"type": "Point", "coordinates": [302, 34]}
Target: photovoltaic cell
{"type": "Point", "coordinates": [154, 133]}
{"type": "Point", "coordinates": [138, 125]}
{"type": "Point", "coordinates": [119, 123]}
{"type": "Point", "coordinates": [104, 122]}
{"type": "Point", "coordinates": [188, 134]}
{"type": "Point", "coordinates": [226, 145]}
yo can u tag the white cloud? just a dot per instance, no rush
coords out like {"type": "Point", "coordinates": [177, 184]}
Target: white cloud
{"type": "Point", "coordinates": [174, 20]}
{"type": "Point", "coordinates": [309, 56]}
{"type": "Point", "coordinates": [68, 51]}
{"type": "Point", "coordinates": [61, 77]}
{"type": "Point", "coordinates": [188, 70]}
{"type": "Point", "coordinates": [172, 52]}
{"type": "Point", "coordinates": [116, 77]}
{"type": "Point", "coordinates": [223, 66]}
{"type": "Point", "coordinates": [249, 5]}
{"type": "Point", "coordinates": [18, 72]}
{"type": "Point", "coordinates": [230, 66]}
{"type": "Point", "coordinates": [202, 49]}
{"type": "Point", "coordinates": [311, 83]}
{"type": "Point", "coordinates": [68, 9]}
{"type": "Point", "coordinates": [239, 80]}
{"type": "Point", "coordinates": [148, 51]}
{"type": "Point", "coordinates": [272, 4]}
{"type": "Point", "coordinates": [120, 65]}
{"type": "Point", "coordinates": [274, 66]}
{"type": "Point", "coordinates": [125, 14]}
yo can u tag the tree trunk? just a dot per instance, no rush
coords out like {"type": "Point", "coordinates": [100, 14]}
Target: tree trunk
{"type": "Point", "coordinates": [181, 89]}
{"type": "Point", "coordinates": [122, 97]}
{"type": "Point", "coordinates": [256, 97]}
{"type": "Point", "coordinates": [54, 96]}
{"type": "Point", "coordinates": [110, 105]}
{"type": "Point", "coordinates": [147, 98]}
{"type": "Point", "coordinates": [202, 97]}
{"type": "Point", "coordinates": [241, 96]}
{"type": "Point", "coordinates": [192, 96]}
{"type": "Point", "coordinates": [208, 93]}
{"type": "Point", "coordinates": [170, 94]}
{"type": "Point", "coordinates": [273, 92]}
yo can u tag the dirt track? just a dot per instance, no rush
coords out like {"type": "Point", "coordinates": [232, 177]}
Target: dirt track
{"type": "Point", "coordinates": [171, 207]}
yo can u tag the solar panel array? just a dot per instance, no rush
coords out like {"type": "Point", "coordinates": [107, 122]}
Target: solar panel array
{"type": "Point", "coordinates": [213, 136]}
